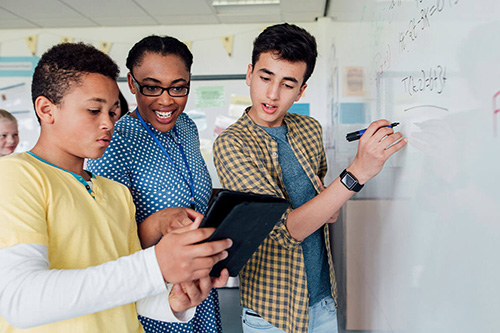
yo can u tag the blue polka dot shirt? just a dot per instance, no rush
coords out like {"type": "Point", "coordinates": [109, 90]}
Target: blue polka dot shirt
{"type": "Point", "coordinates": [134, 159]}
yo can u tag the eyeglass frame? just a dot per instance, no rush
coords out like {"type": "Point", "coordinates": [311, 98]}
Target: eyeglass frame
{"type": "Point", "coordinates": [141, 88]}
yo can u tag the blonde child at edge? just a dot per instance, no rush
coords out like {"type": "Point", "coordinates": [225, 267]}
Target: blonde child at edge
{"type": "Point", "coordinates": [9, 134]}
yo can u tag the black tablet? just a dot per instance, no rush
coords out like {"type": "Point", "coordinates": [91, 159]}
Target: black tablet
{"type": "Point", "coordinates": [247, 219]}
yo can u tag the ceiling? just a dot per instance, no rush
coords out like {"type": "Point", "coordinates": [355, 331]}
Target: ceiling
{"type": "Point", "coordinates": [18, 14]}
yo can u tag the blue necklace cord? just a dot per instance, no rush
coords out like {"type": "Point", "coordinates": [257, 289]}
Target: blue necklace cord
{"type": "Point", "coordinates": [189, 183]}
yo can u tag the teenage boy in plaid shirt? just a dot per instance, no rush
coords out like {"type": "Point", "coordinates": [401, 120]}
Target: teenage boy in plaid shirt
{"type": "Point", "coordinates": [289, 284]}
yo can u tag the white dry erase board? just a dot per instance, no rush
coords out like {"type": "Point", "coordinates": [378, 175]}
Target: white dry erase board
{"type": "Point", "coordinates": [215, 102]}
{"type": "Point", "coordinates": [423, 238]}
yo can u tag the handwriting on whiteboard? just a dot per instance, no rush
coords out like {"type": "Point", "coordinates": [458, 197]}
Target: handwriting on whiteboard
{"type": "Point", "coordinates": [382, 62]}
{"type": "Point", "coordinates": [395, 3]}
{"type": "Point", "coordinates": [432, 80]}
{"type": "Point", "coordinates": [496, 112]}
{"type": "Point", "coordinates": [428, 106]}
{"type": "Point", "coordinates": [421, 22]}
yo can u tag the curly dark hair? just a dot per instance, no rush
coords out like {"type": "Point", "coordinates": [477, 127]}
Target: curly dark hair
{"type": "Point", "coordinates": [290, 42]}
{"type": "Point", "coordinates": [64, 65]}
{"type": "Point", "coordinates": [163, 45]}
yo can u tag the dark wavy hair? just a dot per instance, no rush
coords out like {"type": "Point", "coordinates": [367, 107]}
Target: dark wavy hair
{"type": "Point", "coordinates": [163, 45]}
{"type": "Point", "coordinates": [64, 65]}
{"type": "Point", "coordinates": [290, 42]}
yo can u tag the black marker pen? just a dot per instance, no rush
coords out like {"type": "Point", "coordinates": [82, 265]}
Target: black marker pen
{"type": "Point", "coordinates": [357, 135]}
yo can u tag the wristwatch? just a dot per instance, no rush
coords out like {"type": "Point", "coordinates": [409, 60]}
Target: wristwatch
{"type": "Point", "coordinates": [350, 181]}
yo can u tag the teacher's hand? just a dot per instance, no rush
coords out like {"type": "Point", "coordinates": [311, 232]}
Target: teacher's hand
{"type": "Point", "coordinates": [164, 221]}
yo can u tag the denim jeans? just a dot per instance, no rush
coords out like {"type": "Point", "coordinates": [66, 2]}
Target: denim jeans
{"type": "Point", "coordinates": [322, 319]}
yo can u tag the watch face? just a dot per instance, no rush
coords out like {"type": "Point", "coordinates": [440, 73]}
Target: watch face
{"type": "Point", "coordinates": [349, 181]}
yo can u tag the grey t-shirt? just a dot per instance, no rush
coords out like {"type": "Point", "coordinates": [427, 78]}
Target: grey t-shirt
{"type": "Point", "coordinates": [300, 190]}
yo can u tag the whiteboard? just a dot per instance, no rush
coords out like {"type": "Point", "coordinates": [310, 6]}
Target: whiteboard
{"type": "Point", "coordinates": [212, 114]}
{"type": "Point", "coordinates": [423, 237]}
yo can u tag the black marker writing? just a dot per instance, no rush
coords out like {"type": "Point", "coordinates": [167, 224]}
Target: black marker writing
{"type": "Point", "coordinates": [433, 80]}
{"type": "Point", "coordinates": [426, 107]}
{"type": "Point", "coordinates": [421, 22]}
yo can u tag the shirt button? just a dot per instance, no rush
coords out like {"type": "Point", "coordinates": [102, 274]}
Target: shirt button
{"type": "Point", "coordinates": [275, 154]}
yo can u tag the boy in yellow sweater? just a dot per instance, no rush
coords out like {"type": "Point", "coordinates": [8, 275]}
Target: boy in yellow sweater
{"type": "Point", "coordinates": [70, 257]}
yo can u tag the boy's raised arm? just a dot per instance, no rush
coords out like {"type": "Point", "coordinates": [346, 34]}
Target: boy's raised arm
{"type": "Point", "coordinates": [372, 154]}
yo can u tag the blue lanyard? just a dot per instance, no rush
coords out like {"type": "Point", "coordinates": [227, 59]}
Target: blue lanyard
{"type": "Point", "coordinates": [190, 183]}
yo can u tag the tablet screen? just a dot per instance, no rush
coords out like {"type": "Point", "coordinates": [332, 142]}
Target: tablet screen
{"type": "Point", "coordinates": [247, 219]}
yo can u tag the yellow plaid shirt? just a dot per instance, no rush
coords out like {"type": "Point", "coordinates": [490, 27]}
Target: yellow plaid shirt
{"type": "Point", "coordinates": [273, 282]}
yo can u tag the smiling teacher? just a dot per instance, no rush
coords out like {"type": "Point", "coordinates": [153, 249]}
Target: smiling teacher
{"type": "Point", "coordinates": [155, 151]}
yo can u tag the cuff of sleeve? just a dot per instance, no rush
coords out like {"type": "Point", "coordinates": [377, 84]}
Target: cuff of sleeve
{"type": "Point", "coordinates": [281, 235]}
{"type": "Point", "coordinates": [158, 308]}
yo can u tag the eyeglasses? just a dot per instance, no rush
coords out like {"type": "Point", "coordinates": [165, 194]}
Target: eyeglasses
{"type": "Point", "coordinates": [151, 91]}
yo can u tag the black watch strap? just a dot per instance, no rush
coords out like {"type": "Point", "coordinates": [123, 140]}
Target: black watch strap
{"type": "Point", "coordinates": [350, 181]}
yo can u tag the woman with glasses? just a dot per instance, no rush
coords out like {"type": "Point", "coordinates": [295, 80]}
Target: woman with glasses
{"type": "Point", "coordinates": [155, 151]}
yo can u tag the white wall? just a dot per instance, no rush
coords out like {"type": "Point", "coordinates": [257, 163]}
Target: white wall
{"type": "Point", "coordinates": [210, 56]}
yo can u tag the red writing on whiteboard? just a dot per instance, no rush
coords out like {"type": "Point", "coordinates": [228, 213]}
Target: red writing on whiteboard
{"type": "Point", "coordinates": [496, 111]}
{"type": "Point", "coordinates": [382, 61]}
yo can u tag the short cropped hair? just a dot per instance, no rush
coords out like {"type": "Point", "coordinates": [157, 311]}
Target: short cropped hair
{"type": "Point", "coordinates": [163, 45]}
{"type": "Point", "coordinates": [64, 65]}
{"type": "Point", "coordinates": [290, 43]}
{"type": "Point", "coordinates": [7, 116]}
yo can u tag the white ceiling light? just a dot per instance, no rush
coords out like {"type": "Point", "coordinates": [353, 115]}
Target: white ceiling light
{"type": "Point", "coordinates": [244, 2]}
{"type": "Point", "coordinates": [247, 7]}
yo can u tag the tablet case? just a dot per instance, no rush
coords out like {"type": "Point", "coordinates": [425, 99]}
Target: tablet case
{"type": "Point", "coordinates": [247, 219]}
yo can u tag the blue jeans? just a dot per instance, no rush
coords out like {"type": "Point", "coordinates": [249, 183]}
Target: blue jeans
{"type": "Point", "coordinates": [322, 319]}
